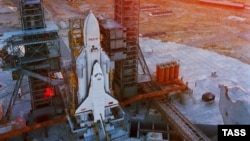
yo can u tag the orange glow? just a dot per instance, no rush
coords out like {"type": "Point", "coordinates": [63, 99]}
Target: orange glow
{"type": "Point", "coordinates": [48, 92]}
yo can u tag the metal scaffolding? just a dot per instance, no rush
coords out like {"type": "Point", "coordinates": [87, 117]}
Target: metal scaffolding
{"type": "Point", "coordinates": [113, 37]}
{"type": "Point", "coordinates": [34, 51]}
{"type": "Point", "coordinates": [127, 14]}
{"type": "Point", "coordinates": [32, 14]}
{"type": "Point", "coordinates": [126, 70]}
{"type": "Point", "coordinates": [76, 36]}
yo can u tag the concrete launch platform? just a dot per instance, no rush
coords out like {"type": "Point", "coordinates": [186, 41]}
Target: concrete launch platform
{"type": "Point", "coordinates": [196, 67]}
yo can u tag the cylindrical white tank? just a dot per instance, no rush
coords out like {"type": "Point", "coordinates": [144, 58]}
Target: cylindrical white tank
{"type": "Point", "coordinates": [80, 63]}
{"type": "Point", "coordinates": [105, 64]}
{"type": "Point", "coordinates": [79, 71]}
{"type": "Point", "coordinates": [82, 81]}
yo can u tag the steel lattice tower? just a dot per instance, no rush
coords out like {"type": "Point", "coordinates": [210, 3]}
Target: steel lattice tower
{"type": "Point", "coordinates": [126, 70]}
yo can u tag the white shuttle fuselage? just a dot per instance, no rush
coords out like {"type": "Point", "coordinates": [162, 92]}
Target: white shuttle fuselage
{"type": "Point", "coordinates": [93, 66]}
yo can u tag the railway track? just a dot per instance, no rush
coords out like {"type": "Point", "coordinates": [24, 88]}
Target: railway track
{"type": "Point", "coordinates": [179, 122]}
{"type": "Point", "coordinates": [173, 116]}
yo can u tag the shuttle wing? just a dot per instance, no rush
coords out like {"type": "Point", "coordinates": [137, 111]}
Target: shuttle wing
{"type": "Point", "coordinates": [97, 98]}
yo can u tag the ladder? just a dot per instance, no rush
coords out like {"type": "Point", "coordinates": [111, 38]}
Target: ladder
{"type": "Point", "coordinates": [75, 36]}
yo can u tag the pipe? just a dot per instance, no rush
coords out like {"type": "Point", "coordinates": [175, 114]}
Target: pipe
{"type": "Point", "coordinates": [32, 128]}
{"type": "Point", "coordinates": [119, 119]}
{"type": "Point", "coordinates": [72, 127]}
{"type": "Point", "coordinates": [54, 82]}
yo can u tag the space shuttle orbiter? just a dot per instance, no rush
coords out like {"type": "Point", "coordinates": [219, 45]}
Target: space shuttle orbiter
{"type": "Point", "coordinates": [98, 99]}
{"type": "Point", "coordinates": [93, 66]}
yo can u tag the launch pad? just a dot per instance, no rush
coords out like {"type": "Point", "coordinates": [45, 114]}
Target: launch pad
{"type": "Point", "coordinates": [36, 52]}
